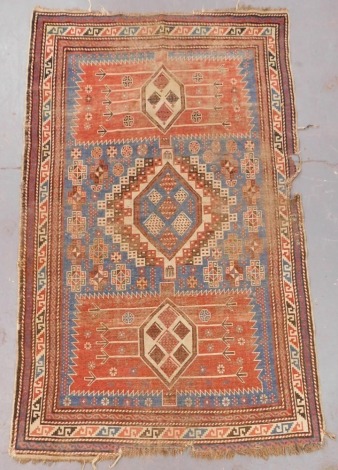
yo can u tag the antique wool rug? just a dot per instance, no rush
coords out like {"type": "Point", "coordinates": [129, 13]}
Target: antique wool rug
{"type": "Point", "coordinates": [164, 302]}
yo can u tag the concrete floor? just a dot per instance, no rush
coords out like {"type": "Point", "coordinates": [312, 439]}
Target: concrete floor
{"type": "Point", "coordinates": [314, 46]}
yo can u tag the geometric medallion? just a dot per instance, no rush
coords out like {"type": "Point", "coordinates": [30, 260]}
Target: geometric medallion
{"type": "Point", "coordinates": [168, 342]}
{"type": "Point", "coordinates": [163, 99]}
{"type": "Point", "coordinates": [168, 211]}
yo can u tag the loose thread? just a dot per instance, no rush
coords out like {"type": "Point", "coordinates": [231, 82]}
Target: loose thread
{"type": "Point", "coordinates": [237, 4]}
{"type": "Point", "coordinates": [117, 459]}
{"type": "Point", "coordinates": [104, 11]}
{"type": "Point", "coordinates": [330, 435]}
{"type": "Point", "coordinates": [83, 465]}
{"type": "Point", "coordinates": [309, 126]}
{"type": "Point", "coordinates": [95, 461]}
{"type": "Point", "coordinates": [90, 6]}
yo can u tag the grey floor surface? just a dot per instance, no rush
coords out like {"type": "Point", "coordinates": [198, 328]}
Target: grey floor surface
{"type": "Point", "coordinates": [314, 53]}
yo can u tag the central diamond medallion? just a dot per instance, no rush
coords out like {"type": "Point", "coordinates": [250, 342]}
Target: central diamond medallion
{"type": "Point", "coordinates": [163, 99]}
{"type": "Point", "coordinates": [168, 211]}
{"type": "Point", "coordinates": [168, 342]}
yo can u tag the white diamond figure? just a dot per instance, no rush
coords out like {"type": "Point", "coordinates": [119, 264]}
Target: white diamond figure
{"type": "Point", "coordinates": [181, 223]}
{"type": "Point", "coordinates": [163, 99]}
{"type": "Point", "coordinates": [154, 224]}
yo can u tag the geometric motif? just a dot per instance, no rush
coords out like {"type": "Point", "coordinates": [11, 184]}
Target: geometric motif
{"type": "Point", "coordinates": [168, 226]}
{"type": "Point", "coordinates": [163, 98]}
{"type": "Point", "coordinates": [164, 300]}
{"type": "Point", "coordinates": [121, 277]}
{"type": "Point", "coordinates": [213, 274]}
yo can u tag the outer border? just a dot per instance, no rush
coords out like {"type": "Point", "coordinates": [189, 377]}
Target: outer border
{"type": "Point", "coordinates": [301, 280]}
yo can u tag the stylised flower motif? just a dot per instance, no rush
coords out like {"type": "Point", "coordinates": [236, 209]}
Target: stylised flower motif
{"type": "Point", "coordinates": [148, 402]}
{"type": "Point", "coordinates": [192, 282]}
{"type": "Point", "coordinates": [197, 77]}
{"type": "Point", "coordinates": [87, 346]}
{"type": "Point", "coordinates": [67, 401]}
{"type": "Point", "coordinates": [128, 120]}
{"type": "Point", "coordinates": [196, 116]}
{"type": "Point", "coordinates": [220, 369]}
{"type": "Point", "coordinates": [76, 153]}
{"type": "Point", "coordinates": [204, 315]}
{"type": "Point", "coordinates": [128, 318]}
{"type": "Point", "coordinates": [241, 341]}
{"type": "Point", "coordinates": [96, 152]}
{"type": "Point", "coordinates": [115, 257]}
{"type": "Point", "coordinates": [118, 169]}
{"type": "Point", "coordinates": [142, 150]}
{"type": "Point", "coordinates": [263, 398]}
{"type": "Point", "coordinates": [105, 401]}
{"type": "Point", "coordinates": [225, 401]}
{"type": "Point", "coordinates": [194, 146]}
{"type": "Point", "coordinates": [127, 81]}
{"type": "Point", "coordinates": [113, 371]}
{"type": "Point", "coordinates": [88, 89]}
{"type": "Point", "coordinates": [88, 117]}
{"type": "Point", "coordinates": [208, 156]}
{"type": "Point", "coordinates": [249, 146]}
{"type": "Point", "coordinates": [188, 402]}
{"type": "Point", "coordinates": [127, 151]}
{"type": "Point", "coordinates": [142, 283]}
{"type": "Point", "coordinates": [91, 365]}
{"type": "Point", "coordinates": [112, 151]}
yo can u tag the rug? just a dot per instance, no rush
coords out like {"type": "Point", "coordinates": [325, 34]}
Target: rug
{"type": "Point", "coordinates": [164, 301]}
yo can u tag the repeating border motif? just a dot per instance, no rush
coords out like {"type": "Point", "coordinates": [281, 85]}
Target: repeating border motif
{"type": "Point", "coordinates": [35, 434]}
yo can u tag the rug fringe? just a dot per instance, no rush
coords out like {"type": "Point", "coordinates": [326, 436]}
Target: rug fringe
{"type": "Point", "coordinates": [195, 450]}
{"type": "Point", "coordinates": [259, 451]}
{"type": "Point", "coordinates": [238, 8]}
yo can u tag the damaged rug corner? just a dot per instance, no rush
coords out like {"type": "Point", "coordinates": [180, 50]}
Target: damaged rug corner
{"type": "Point", "coordinates": [164, 300]}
